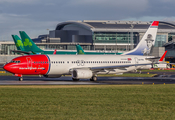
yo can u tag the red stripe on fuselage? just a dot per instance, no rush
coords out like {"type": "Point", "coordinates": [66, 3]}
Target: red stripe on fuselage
{"type": "Point", "coordinates": [29, 65]}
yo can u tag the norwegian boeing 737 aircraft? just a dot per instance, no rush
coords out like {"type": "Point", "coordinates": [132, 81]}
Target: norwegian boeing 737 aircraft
{"type": "Point", "coordinates": [85, 66]}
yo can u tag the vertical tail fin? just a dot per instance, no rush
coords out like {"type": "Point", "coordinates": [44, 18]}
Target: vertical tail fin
{"type": "Point", "coordinates": [147, 42]}
{"type": "Point", "coordinates": [80, 49]}
{"type": "Point", "coordinates": [18, 43]}
{"type": "Point", "coordinates": [29, 45]}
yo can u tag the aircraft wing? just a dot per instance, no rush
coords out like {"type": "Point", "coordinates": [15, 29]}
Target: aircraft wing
{"type": "Point", "coordinates": [102, 68]}
{"type": "Point", "coordinates": [110, 68]}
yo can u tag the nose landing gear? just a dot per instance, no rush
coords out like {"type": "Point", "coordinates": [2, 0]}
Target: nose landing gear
{"type": "Point", "coordinates": [20, 77]}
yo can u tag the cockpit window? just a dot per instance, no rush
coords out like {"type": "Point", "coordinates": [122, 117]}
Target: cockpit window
{"type": "Point", "coordinates": [15, 61]}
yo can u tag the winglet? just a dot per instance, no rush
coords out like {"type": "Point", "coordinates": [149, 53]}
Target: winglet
{"type": "Point", "coordinates": [163, 56]}
{"type": "Point", "coordinates": [55, 52]}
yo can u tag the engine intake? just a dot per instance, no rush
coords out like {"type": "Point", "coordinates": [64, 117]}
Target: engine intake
{"type": "Point", "coordinates": [82, 74]}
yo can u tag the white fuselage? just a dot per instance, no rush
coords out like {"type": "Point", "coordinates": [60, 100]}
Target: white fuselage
{"type": "Point", "coordinates": [64, 64]}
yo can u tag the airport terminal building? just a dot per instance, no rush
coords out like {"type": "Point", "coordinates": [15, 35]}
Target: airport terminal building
{"type": "Point", "coordinates": [111, 36]}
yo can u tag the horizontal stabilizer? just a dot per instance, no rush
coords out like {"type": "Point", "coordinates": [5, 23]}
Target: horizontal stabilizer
{"type": "Point", "coordinates": [21, 52]}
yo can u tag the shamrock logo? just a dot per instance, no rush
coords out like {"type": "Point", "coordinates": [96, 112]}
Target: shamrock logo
{"type": "Point", "coordinates": [81, 52]}
{"type": "Point", "coordinates": [27, 43]}
{"type": "Point", "coordinates": [19, 43]}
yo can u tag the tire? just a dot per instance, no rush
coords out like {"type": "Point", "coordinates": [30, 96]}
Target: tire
{"type": "Point", "coordinates": [20, 79]}
{"type": "Point", "coordinates": [94, 78]}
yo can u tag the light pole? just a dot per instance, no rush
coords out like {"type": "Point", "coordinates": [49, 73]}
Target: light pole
{"type": "Point", "coordinates": [131, 35]}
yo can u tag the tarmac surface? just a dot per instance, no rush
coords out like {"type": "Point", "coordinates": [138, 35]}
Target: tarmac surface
{"type": "Point", "coordinates": [35, 80]}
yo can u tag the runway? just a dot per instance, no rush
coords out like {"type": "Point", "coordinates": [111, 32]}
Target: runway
{"type": "Point", "coordinates": [35, 80]}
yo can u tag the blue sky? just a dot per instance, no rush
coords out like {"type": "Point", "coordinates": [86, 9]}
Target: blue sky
{"type": "Point", "coordinates": [36, 16]}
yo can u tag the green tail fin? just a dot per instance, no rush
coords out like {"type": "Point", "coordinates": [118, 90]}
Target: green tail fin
{"type": "Point", "coordinates": [80, 49]}
{"type": "Point", "coordinates": [29, 45]}
{"type": "Point", "coordinates": [18, 43]}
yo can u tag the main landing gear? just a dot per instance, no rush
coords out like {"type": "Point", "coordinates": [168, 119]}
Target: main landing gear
{"type": "Point", "coordinates": [93, 78]}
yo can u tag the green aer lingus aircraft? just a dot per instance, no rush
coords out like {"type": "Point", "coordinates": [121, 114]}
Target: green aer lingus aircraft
{"type": "Point", "coordinates": [27, 46]}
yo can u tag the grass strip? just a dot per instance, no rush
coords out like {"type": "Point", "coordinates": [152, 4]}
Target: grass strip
{"type": "Point", "coordinates": [88, 102]}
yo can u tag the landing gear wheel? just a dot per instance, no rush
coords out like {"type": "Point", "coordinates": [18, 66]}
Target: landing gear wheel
{"type": "Point", "coordinates": [75, 79]}
{"type": "Point", "coordinates": [94, 78]}
{"type": "Point", "coordinates": [20, 79]}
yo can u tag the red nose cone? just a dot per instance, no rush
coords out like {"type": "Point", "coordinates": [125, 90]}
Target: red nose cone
{"type": "Point", "coordinates": [7, 67]}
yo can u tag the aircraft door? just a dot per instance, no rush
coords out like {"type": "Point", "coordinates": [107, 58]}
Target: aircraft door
{"type": "Point", "coordinates": [29, 62]}
{"type": "Point", "coordinates": [136, 60]}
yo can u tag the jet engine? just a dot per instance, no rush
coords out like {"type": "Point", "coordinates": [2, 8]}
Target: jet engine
{"type": "Point", "coordinates": [82, 74]}
{"type": "Point", "coordinates": [52, 76]}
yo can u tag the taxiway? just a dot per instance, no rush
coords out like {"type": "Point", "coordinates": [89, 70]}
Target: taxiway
{"type": "Point", "coordinates": [35, 80]}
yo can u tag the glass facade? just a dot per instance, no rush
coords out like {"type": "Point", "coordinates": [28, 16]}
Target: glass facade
{"type": "Point", "coordinates": [114, 37]}
{"type": "Point", "coordinates": [160, 40]}
{"type": "Point", "coordinates": [6, 49]}
{"type": "Point", "coordinates": [171, 36]}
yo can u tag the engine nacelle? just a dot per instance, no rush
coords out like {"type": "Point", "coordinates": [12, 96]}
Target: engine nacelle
{"type": "Point", "coordinates": [52, 76]}
{"type": "Point", "coordinates": [82, 74]}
